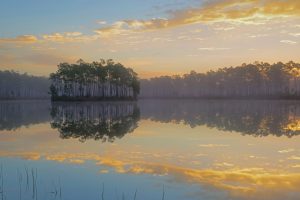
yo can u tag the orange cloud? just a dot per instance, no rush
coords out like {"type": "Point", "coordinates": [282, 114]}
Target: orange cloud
{"type": "Point", "coordinates": [69, 37]}
{"type": "Point", "coordinates": [20, 39]}
{"type": "Point", "coordinates": [23, 155]}
{"type": "Point", "coordinates": [226, 10]}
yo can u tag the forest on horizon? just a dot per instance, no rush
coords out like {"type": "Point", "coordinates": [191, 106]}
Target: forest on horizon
{"type": "Point", "coordinates": [256, 80]}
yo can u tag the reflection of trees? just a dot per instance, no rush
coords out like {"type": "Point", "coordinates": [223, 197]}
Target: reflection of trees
{"type": "Point", "coordinates": [14, 114]}
{"type": "Point", "coordinates": [107, 121]}
{"type": "Point", "coordinates": [257, 118]}
{"type": "Point", "coordinates": [98, 121]}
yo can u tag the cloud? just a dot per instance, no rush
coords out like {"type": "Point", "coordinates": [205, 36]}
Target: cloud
{"type": "Point", "coordinates": [248, 11]}
{"type": "Point", "coordinates": [224, 28]}
{"type": "Point", "coordinates": [286, 150]}
{"type": "Point", "coordinates": [20, 39]}
{"type": "Point", "coordinates": [294, 158]}
{"type": "Point", "coordinates": [295, 34]}
{"type": "Point", "coordinates": [288, 42]}
{"type": "Point", "coordinates": [258, 35]}
{"type": "Point", "coordinates": [213, 49]}
{"type": "Point", "coordinates": [69, 37]}
{"type": "Point", "coordinates": [213, 145]}
{"type": "Point", "coordinates": [101, 22]}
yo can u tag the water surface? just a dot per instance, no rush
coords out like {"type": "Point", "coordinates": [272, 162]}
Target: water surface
{"type": "Point", "coordinates": [151, 149]}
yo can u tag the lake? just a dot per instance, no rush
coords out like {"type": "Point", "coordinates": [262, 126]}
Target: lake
{"type": "Point", "coordinates": [150, 149]}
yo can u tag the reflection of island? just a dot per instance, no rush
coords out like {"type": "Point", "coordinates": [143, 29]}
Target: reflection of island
{"type": "Point", "coordinates": [98, 121]}
{"type": "Point", "coordinates": [257, 118]}
{"type": "Point", "coordinates": [110, 120]}
{"type": "Point", "coordinates": [15, 114]}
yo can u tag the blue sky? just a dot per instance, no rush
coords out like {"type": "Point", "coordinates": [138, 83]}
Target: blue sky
{"type": "Point", "coordinates": [39, 17]}
{"type": "Point", "coordinates": [151, 36]}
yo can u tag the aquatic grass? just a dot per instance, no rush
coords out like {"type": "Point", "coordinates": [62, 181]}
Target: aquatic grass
{"type": "Point", "coordinates": [27, 180]}
{"type": "Point", "coordinates": [134, 197]}
{"type": "Point", "coordinates": [2, 182]}
{"type": "Point", "coordinates": [20, 178]}
{"type": "Point", "coordinates": [102, 193]}
{"type": "Point", "coordinates": [163, 194]}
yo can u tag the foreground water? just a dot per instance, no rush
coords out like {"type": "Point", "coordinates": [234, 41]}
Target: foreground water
{"type": "Point", "coordinates": [152, 149]}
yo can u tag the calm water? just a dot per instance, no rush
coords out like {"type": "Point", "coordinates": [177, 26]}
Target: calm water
{"type": "Point", "coordinates": [152, 149]}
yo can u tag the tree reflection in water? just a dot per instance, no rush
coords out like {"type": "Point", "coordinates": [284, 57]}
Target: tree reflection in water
{"type": "Point", "coordinates": [256, 118]}
{"type": "Point", "coordinates": [110, 120]}
{"type": "Point", "coordinates": [98, 121]}
{"type": "Point", "coordinates": [16, 114]}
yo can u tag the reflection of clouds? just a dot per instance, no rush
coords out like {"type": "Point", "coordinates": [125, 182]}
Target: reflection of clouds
{"type": "Point", "coordinates": [23, 155]}
{"type": "Point", "coordinates": [246, 183]}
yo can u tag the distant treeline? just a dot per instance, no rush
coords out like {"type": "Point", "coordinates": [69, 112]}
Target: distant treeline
{"type": "Point", "coordinates": [14, 85]}
{"type": "Point", "coordinates": [109, 80]}
{"type": "Point", "coordinates": [258, 80]}
{"type": "Point", "coordinates": [104, 80]}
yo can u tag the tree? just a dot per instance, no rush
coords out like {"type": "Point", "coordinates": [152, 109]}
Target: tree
{"type": "Point", "coordinates": [96, 80]}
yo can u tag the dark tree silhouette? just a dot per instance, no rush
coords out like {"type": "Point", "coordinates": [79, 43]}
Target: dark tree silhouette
{"type": "Point", "coordinates": [258, 80]}
{"type": "Point", "coordinates": [94, 81]}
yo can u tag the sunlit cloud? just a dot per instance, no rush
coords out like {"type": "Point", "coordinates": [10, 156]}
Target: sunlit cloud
{"type": "Point", "coordinates": [258, 36]}
{"type": "Point", "coordinates": [224, 28]}
{"type": "Point", "coordinates": [247, 12]}
{"type": "Point", "coordinates": [213, 145]}
{"type": "Point", "coordinates": [69, 37]}
{"type": "Point", "coordinates": [24, 39]}
{"type": "Point", "coordinates": [295, 34]}
{"type": "Point", "coordinates": [288, 42]}
{"type": "Point", "coordinates": [213, 49]}
{"type": "Point", "coordinates": [294, 158]}
{"type": "Point", "coordinates": [286, 151]}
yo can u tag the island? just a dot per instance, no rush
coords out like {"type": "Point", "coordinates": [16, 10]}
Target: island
{"type": "Point", "coordinates": [103, 80]}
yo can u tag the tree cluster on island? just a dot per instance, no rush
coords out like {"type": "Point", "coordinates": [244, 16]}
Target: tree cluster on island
{"type": "Point", "coordinates": [104, 80]}
{"type": "Point", "coordinates": [257, 80]}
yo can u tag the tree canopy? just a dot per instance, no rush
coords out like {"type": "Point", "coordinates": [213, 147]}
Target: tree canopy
{"type": "Point", "coordinates": [257, 80]}
{"type": "Point", "coordinates": [96, 80]}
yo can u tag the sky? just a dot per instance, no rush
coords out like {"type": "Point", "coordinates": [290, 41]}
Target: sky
{"type": "Point", "coordinates": [153, 37]}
